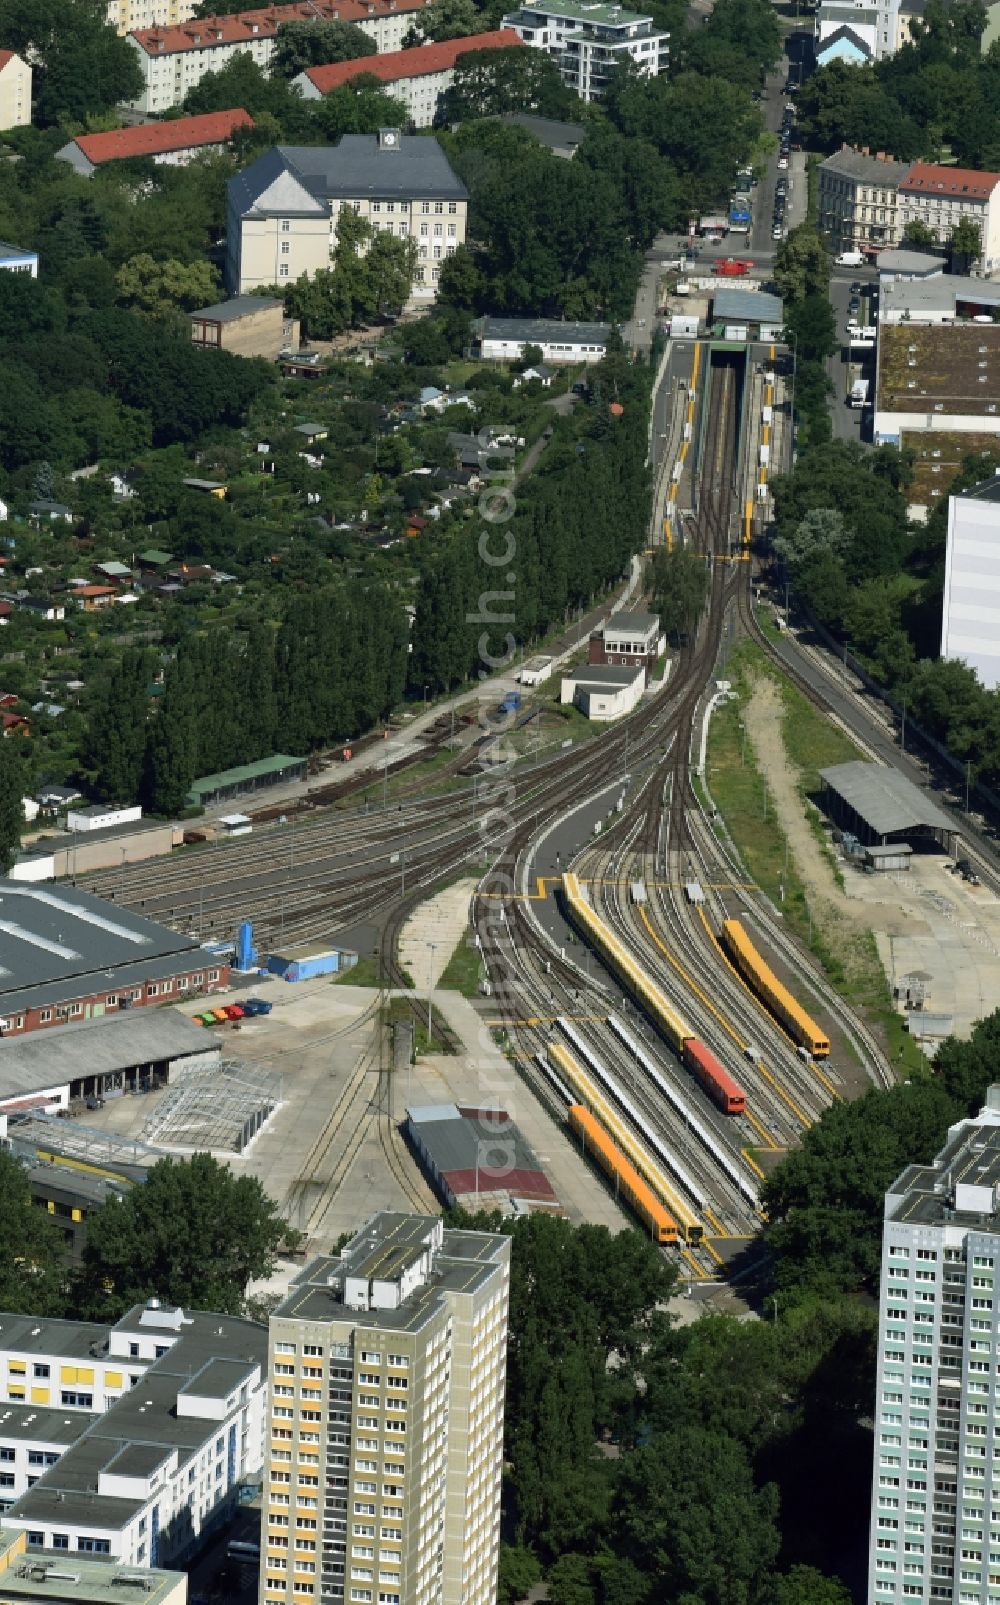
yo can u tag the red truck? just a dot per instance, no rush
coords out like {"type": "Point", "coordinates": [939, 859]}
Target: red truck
{"type": "Point", "coordinates": [731, 267]}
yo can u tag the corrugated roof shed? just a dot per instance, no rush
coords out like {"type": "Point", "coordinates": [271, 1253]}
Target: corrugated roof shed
{"type": "Point", "coordinates": [884, 798]}
{"type": "Point", "coordinates": [750, 306]}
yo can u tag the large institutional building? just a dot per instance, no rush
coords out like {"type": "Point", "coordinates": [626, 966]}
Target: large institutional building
{"type": "Point", "coordinates": [387, 1368]}
{"type": "Point", "coordinates": [282, 210]}
{"type": "Point", "coordinates": [935, 1532]}
{"type": "Point", "coordinates": [130, 1442]}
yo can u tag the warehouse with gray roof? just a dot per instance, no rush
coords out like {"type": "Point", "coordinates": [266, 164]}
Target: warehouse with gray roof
{"type": "Point", "coordinates": [879, 805]}
{"type": "Point", "coordinates": [66, 957]}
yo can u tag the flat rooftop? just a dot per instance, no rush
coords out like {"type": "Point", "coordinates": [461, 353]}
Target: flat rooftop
{"type": "Point", "coordinates": [240, 306]}
{"type": "Point", "coordinates": [589, 13]}
{"type": "Point", "coordinates": [84, 1579]}
{"type": "Point", "coordinates": [142, 1427]}
{"type": "Point", "coordinates": [961, 1186]}
{"type": "Point", "coordinates": [53, 940]}
{"type": "Point", "coordinates": [66, 1053]}
{"type": "Point", "coordinates": [642, 623]}
{"type": "Point", "coordinates": [884, 798]}
{"type": "Point", "coordinates": [943, 294]}
{"type": "Point", "coordinates": [941, 369]}
{"type": "Point", "coordinates": [919, 264]}
{"type": "Point", "coordinates": [479, 1151]}
{"type": "Point", "coordinates": [752, 305]}
{"type": "Point", "coordinates": [41, 1424]}
{"type": "Point", "coordinates": [607, 676]}
{"type": "Point", "coordinates": [543, 331]}
{"type": "Point", "coordinates": [383, 1248]}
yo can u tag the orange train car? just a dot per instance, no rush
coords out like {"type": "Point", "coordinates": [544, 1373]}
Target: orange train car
{"type": "Point", "coordinates": [775, 997]}
{"type": "Point", "coordinates": [628, 1183]}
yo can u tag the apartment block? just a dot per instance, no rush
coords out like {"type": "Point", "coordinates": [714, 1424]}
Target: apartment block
{"type": "Point", "coordinates": [859, 200]}
{"type": "Point", "coordinates": [387, 1367]}
{"type": "Point", "coordinates": [420, 77]}
{"type": "Point", "coordinates": [175, 58]}
{"type": "Point", "coordinates": [125, 16]}
{"type": "Point", "coordinates": [588, 40]}
{"type": "Point", "coordinates": [282, 210]}
{"type": "Point", "coordinates": [15, 91]}
{"type": "Point", "coordinates": [935, 1527]}
{"type": "Point", "coordinates": [940, 197]}
{"type": "Point", "coordinates": [130, 1442]}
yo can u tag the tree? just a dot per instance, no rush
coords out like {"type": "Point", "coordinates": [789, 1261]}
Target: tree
{"type": "Point", "coordinates": [192, 1233]}
{"type": "Point", "coordinates": [82, 68]}
{"type": "Point", "coordinates": [11, 806]}
{"type": "Point", "coordinates": [298, 45]}
{"type": "Point", "coordinates": [519, 1572]}
{"type": "Point", "coordinates": [801, 264]}
{"type": "Point", "coordinates": [917, 235]}
{"type": "Point", "coordinates": [32, 1253]}
{"type": "Point", "coordinates": [966, 244]}
{"type": "Point", "coordinates": [115, 737]}
{"type": "Point", "coordinates": [160, 287]}
{"type": "Point", "coordinates": [490, 83]}
{"type": "Point", "coordinates": [804, 1585]}
{"type": "Point", "coordinates": [371, 274]}
{"type": "Point", "coordinates": [822, 530]}
{"type": "Point", "coordinates": [678, 581]}
{"type": "Point", "coordinates": [448, 19]}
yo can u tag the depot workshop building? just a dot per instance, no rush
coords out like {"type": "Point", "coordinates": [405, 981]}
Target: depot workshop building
{"type": "Point", "coordinates": [66, 956]}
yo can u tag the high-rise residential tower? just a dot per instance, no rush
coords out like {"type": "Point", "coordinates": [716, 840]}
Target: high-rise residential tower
{"type": "Point", "coordinates": [387, 1367]}
{"type": "Point", "coordinates": [935, 1531]}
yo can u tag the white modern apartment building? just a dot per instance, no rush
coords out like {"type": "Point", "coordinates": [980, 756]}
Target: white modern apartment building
{"type": "Point", "coordinates": [935, 1530]}
{"type": "Point", "coordinates": [588, 39]}
{"type": "Point", "coordinates": [175, 58]}
{"type": "Point", "coordinates": [15, 91]}
{"type": "Point", "coordinates": [420, 78]}
{"type": "Point", "coordinates": [970, 618]}
{"type": "Point", "coordinates": [282, 210]}
{"type": "Point", "coordinates": [940, 197]}
{"type": "Point", "coordinates": [387, 1368]}
{"type": "Point", "coordinates": [130, 1442]}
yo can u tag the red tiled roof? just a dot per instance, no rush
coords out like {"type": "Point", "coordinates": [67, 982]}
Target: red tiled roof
{"type": "Point", "coordinates": [5, 56]}
{"type": "Point", "coordinates": [395, 64]}
{"type": "Point", "coordinates": [154, 139]}
{"type": "Point", "coordinates": [926, 178]}
{"type": "Point", "coordinates": [240, 27]}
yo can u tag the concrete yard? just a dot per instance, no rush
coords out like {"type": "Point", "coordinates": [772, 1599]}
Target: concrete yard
{"type": "Point", "coordinates": [332, 1154]}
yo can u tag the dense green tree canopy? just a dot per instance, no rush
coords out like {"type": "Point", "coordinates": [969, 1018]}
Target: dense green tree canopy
{"type": "Point", "coordinates": [81, 66]}
{"type": "Point", "coordinates": [193, 1234]}
{"type": "Point", "coordinates": [298, 45]}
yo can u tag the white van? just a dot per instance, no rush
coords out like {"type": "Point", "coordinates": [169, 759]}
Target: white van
{"type": "Point", "coordinates": [850, 259]}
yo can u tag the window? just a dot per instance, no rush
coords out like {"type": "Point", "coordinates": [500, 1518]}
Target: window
{"type": "Point", "coordinates": [84, 1401]}
{"type": "Point", "coordinates": [283, 270]}
{"type": "Point", "coordinates": [60, 1540]}
{"type": "Point", "coordinates": [40, 1370]}
{"type": "Point", "coordinates": [213, 975]}
{"type": "Point", "coordinates": [285, 226]}
{"type": "Point", "coordinates": [93, 1546]}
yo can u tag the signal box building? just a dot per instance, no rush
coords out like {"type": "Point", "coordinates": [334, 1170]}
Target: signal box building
{"type": "Point", "coordinates": [634, 640]}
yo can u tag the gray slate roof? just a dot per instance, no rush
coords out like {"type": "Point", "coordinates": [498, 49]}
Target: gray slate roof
{"type": "Point", "coordinates": [240, 306]}
{"type": "Point", "coordinates": [868, 169]}
{"type": "Point", "coordinates": [750, 305]}
{"type": "Point", "coordinates": [307, 177]}
{"type": "Point", "coordinates": [988, 491]}
{"type": "Point", "coordinates": [538, 331]}
{"type": "Point", "coordinates": [884, 798]}
{"type": "Point", "coordinates": [97, 1047]}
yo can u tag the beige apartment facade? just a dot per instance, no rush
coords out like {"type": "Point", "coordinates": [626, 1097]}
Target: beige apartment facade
{"type": "Point", "coordinates": [283, 210]}
{"type": "Point", "coordinates": [174, 58]}
{"type": "Point", "coordinates": [859, 200]}
{"type": "Point", "coordinates": [387, 1368]}
{"type": "Point", "coordinates": [15, 91]}
{"type": "Point", "coordinates": [125, 16]}
{"type": "Point", "coordinates": [941, 197]}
